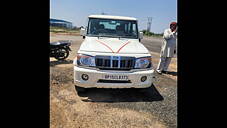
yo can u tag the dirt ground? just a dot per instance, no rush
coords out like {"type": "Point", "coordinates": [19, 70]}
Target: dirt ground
{"type": "Point", "coordinates": [155, 107]}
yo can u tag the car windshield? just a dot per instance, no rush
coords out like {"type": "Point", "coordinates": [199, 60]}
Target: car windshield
{"type": "Point", "coordinates": [112, 28]}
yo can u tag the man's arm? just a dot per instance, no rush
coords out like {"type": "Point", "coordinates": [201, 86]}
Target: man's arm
{"type": "Point", "coordinates": [167, 34]}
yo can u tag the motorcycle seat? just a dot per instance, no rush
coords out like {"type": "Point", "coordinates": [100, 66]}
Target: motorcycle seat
{"type": "Point", "coordinates": [60, 43]}
{"type": "Point", "coordinates": [55, 43]}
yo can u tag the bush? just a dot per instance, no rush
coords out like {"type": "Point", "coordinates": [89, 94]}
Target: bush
{"type": "Point", "coordinates": [146, 33]}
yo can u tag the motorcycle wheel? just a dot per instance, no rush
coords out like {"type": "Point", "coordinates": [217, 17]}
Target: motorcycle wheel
{"type": "Point", "coordinates": [62, 54]}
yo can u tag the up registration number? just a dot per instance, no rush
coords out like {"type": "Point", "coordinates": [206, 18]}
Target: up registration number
{"type": "Point", "coordinates": [116, 77]}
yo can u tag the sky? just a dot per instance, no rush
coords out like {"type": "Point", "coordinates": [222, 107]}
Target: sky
{"type": "Point", "coordinates": [76, 11]}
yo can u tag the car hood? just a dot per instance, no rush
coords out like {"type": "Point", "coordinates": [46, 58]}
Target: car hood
{"type": "Point", "coordinates": [113, 45]}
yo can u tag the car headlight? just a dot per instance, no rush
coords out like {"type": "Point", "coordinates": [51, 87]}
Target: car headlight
{"type": "Point", "coordinates": [144, 62]}
{"type": "Point", "coordinates": [84, 60]}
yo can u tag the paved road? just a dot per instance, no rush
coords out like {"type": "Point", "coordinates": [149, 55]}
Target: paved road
{"type": "Point", "coordinates": [152, 44]}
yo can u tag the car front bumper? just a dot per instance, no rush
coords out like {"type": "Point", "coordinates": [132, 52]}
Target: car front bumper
{"type": "Point", "coordinates": [96, 75]}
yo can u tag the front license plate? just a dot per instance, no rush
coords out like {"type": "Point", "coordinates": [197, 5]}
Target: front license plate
{"type": "Point", "coordinates": [116, 77]}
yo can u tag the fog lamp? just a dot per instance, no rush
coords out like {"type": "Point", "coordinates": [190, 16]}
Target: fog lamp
{"type": "Point", "coordinates": [143, 78]}
{"type": "Point", "coordinates": [85, 77]}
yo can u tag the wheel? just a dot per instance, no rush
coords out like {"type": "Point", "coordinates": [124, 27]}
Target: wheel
{"type": "Point", "coordinates": [80, 89]}
{"type": "Point", "coordinates": [62, 54]}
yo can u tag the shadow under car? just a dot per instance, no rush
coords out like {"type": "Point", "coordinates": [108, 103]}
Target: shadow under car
{"type": "Point", "coordinates": [121, 95]}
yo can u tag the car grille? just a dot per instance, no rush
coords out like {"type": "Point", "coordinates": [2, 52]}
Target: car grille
{"type": "Point", "coordinates": [114, 62]}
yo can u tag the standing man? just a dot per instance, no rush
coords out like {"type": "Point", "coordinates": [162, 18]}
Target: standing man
{"type": "Point", "coordinates": [168, 48]}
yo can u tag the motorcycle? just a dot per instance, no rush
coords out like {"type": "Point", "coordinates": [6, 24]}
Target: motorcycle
{"type": "Point", "coordinates": [60, 50]}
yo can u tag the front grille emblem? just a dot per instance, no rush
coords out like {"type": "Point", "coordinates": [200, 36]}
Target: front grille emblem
{"type": "Point", "coordinates": [115, 58]}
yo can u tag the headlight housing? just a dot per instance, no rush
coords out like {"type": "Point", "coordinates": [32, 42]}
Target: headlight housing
{"type": "Point", "coordinates": [84, 60]}
{"type": "Point", "coordinates": [143, 62]}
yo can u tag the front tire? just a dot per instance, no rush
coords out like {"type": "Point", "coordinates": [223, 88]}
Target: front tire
{"type": "Point", "coordinates": [62, 54]}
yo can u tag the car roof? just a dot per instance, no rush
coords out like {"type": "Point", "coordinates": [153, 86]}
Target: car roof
{"type": "Point", "coordinates": [112, 17]}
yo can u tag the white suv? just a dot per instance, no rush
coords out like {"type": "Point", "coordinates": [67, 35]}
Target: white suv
{"type": "Point", "coordinates": [111, 56]}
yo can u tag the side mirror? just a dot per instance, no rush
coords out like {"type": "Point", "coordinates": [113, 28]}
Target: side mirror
{"type": "Point", "coordinates": [141, 35]}
{"type": "Point", "coordinates": [83, 32]}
